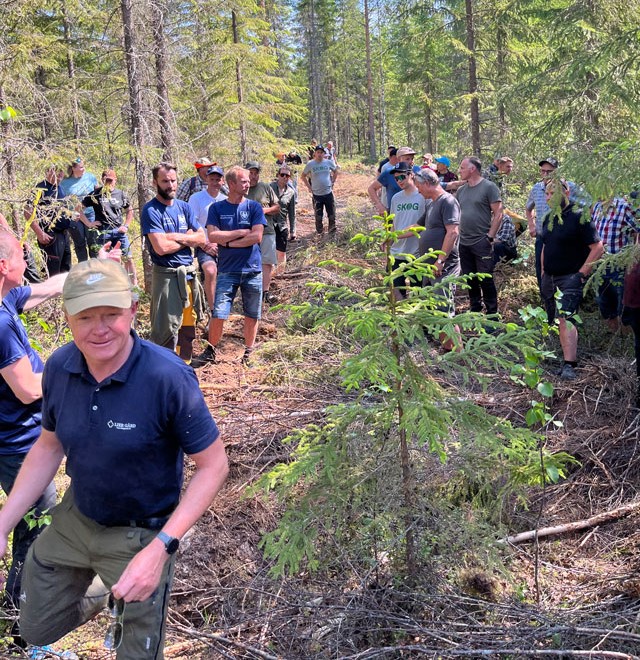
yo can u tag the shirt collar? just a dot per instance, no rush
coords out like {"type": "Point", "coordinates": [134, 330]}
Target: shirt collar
{"type": "Point", "coordinates": [76, 364]}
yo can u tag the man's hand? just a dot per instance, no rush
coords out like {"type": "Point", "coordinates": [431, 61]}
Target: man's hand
{"type": "Point", "coordinates": [210, 248]}
{"type": "Point", "coordinates": [123, 229]}
{"type": "Point", "coordinates": [107, 252]}
{"type": "Point", "coordinates": [142, 575]}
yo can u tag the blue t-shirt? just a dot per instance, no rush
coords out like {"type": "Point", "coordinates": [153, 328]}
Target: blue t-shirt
{"type": "Point", "coordinates": [124, 438]}
{"type": "Point", "coordinates": [80, 187]}
{"type": "Point", "coordinates": [387, 180]}
{"type": "Point", "coordinates": [19, 422]}
{"type": "Point", "coordinates": [226, 217]}
{"type": "Point", "coordinates": [158, 218]}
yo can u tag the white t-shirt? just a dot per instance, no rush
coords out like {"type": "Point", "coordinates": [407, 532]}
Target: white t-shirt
{"type": "Point", "coordinates": [200, 203]}
{"type": "Point", "coordinates": [407, 209]}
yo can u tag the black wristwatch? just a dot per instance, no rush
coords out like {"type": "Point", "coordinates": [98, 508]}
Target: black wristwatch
{"type": "Point", "coordinates": [491, 238]}
{"type": "Point", "coordinates": [171, 544]}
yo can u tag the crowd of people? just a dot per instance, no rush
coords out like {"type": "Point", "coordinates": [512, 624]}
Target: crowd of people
{"type": "Point", "coordinates": [467, 223]}
{"type": "Point", "coordinates": [124, 411]}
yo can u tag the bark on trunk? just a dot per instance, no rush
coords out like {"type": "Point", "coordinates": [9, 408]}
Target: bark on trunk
{"type": "Point", "coordinates": [242, 127]}
{"type": "Point", "coordinates": [473, 79]}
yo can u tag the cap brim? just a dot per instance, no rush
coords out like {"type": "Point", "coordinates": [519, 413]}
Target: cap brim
{"type": "Point", "coordinates": [121, 299]}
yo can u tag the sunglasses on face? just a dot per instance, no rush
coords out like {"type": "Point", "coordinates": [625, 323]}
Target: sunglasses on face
{"type": "Point", "coordinates": [285, 175]}
{"type": "Point", "coordinates": [400, 177]}
{"type": "Point", "coordinates": [547, 171]}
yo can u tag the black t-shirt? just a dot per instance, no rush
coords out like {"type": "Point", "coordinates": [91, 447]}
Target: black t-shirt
{"type": "Point", "coordinates": [566, 241]}
{"type": "Point", "coordinates": [108, 206]}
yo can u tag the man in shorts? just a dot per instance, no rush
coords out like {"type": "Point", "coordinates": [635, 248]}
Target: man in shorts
{"type": "Point", "coordinates": [207, 256]}
{"type": "Point", "coordinates": [570, 247]}
{"type": "Point", "coordinates": [265, 196]}
{"type": "Point", "coordinates": [236, 224]}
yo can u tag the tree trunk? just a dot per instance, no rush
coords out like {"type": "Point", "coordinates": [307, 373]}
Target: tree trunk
{"type": "Point", "coordinates": [501, 62]}
{"type": "Point", "coordinates": [314, 75]}
{"type": "Point", "coordinates": [40, 79]}
{"type": "Point", "coordinates": [473, 80]}
{"type": "Point", "coordinates": [9, 161]}
{"type": "Point", "coordinates": [135, 118]}
{"type": "Point", "coordinates": [240, 91]}
{"type": "Point", "coordinates": [71, 72]}
{"type": "Point", "coordinates": [371, 119]}
{"type": "Point", "coordinates": [167, 143]}
{"type": "Point", "coordinates": [428, 119]}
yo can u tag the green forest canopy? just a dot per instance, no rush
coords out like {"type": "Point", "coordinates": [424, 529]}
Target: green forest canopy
{"type": "Point", "coordinates": [126, 84]}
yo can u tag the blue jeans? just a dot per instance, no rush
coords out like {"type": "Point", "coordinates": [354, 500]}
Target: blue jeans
{"type": "Point", "coordinates": [23, 537]}
{"type": "Point", "coordinates": [227, 284]}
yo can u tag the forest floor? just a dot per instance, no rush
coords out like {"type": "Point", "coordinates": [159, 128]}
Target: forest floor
{"type": "Point", "coordinates": [571, 595]}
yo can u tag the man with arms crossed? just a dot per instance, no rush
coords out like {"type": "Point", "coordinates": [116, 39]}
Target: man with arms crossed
{"type": "Point", "coordinates": [481, 217]}
{"type": "Point", "coordinates": [123, 411]}
{"type": "Point", "coordinates": [171, 230]}
{"type": "Point", "coordinates": [236, 225]}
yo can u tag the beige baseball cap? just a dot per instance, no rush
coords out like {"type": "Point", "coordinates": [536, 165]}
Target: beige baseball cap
{"type": "Point", "coordinates": [96, 283]}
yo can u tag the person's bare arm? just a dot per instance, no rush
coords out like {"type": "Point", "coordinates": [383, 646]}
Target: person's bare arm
{"type": "Point", "coordinates": [44, 290]}
{"type": "Point", "coordinates": [141, 576]}
{"type": "Point", "coordinates": [253, 237]}
{"type": "Point", "coordinates": [124, 227]}
{"type": "Point", "coordinates": [496, 210]}
{"type": "Point", "coordinates": [596, 250]}
{"type": "Point", "coordinates": [374, 195]}
{"type": "Point", "coordinates": [222, 237]}
{"type": "Point", "coordinates": [168, 243]}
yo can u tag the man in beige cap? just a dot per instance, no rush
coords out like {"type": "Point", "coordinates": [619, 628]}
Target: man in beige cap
{"type": "Point", "coordinates": [124, 412]}
{"type": "Point", "coordinates": [386, 181]}
{"type": "Point", "coordinates": [196, 183]}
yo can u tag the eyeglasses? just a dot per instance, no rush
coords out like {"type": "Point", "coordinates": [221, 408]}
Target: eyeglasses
{"type": "Point", "coordinates": [400, 177]}
{"type": "Point", "coordinates": [113, 638]}
{"type": "Point", "coordinates": [546, 171]}
{"type": "Point", "coordinates": [285, 175]}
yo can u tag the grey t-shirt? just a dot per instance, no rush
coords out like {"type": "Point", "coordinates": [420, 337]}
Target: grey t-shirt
{"type": "Point", "coordinates": [264, 195]}
{"type": "Point", "coordinates": [407, 210]}
{"type": "Point", "coordinates": [441, 213]}
{"type": "Point", "coordinates": [320, 174]}
{"type": "Point", "coordinates": [475, 208]}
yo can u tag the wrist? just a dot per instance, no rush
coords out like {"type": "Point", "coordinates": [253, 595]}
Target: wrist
{"type": "Point", "coordinates": [491, 238]}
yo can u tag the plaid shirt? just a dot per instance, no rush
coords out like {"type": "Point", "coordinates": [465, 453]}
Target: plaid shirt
{"type": "Point", "coordinates": [189, 187]}
{"type": "Point", "coordinates": [614, 221]}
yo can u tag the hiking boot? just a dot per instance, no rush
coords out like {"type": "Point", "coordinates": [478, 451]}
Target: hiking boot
{"type": "Point", "coordinates": [208, 356]}
{"type": "Point", "coordinates": [568, 372]}
{"type": "Point", "coordinates": [270, 298]}
{"type": "Point", "coordinates": [246, 356]}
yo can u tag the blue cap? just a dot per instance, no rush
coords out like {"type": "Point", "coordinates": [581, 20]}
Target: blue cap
{"type": "Point", "coordinates": [444, 160]}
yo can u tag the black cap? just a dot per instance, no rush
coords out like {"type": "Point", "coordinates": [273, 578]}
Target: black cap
{"type": "Point", "coordinates": [319, 148]}
{"type": "Point", "coordinates": [402, 167]}
{"type": "Point", "coordinates": [550, 161]}
{"type": "Point", "coordinates": [252, 165]}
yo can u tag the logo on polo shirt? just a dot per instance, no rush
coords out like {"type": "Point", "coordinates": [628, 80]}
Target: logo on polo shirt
{"type": "Point", "coordinates": [244, 215]}
{"type": "Point", "coordinates": [120, 426]}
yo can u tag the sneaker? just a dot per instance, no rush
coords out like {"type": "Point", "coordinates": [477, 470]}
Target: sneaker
{"type": "Point", "coordinates": [568, 372]}
{"type": "Point", "coordinates": [208, 356]}
{"type": "Point", "coordinates": [270, 298]}
{"type": "Point", "coordinates": [246, 356]}
{"type": "Point", "coordinates": [44, 652]}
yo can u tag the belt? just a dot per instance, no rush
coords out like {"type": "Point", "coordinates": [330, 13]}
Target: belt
{"type": "Point", "coordinates": [145, 523]}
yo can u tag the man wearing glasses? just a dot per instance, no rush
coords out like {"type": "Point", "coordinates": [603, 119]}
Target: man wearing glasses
{"type": "Point", "coordinates": [386, 181]}
{"type": "Point", "coordinates": [537, 207]}
{"type": "Point", "coordinates": [123, 412]}
{"type": "Point", "coordinates": [407, 207]}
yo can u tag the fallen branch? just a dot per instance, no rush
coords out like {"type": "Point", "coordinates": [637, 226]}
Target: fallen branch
{"type": "Point", "coordinates": [598, 519]}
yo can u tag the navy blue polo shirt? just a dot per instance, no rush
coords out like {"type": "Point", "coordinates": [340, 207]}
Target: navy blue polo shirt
{"type": "Point", "coordinates": [19, 422]}
{"type": "Point", "coordinates": [124, 438]}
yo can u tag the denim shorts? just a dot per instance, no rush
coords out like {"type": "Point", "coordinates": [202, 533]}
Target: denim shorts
{"type": "Point", "coordinates": [114, 236]}
{"type": "Point", "coordinates": [203, 257]}
{"type": "Point", "coordinates": [268, 249]}
{"type": "Point", "coordinates": [227, 284]}
{"type": "Point", "coordinates": [570, 286]}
